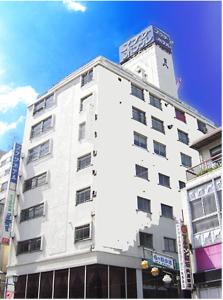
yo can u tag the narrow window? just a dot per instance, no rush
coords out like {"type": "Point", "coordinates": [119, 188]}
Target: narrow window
{"type": "Point", "coordinates": [169, 244]}
{"type": "Point", "coordinates": [181, 185]}
{"type": "Point", "coordinates": [146, 240]}
{"type": "Point", "coordinates": [84, 161]}
{"type": "Point", "coordinates": [201, 126]}
{"type": "Point", "coordinates": [180, 115]}
{"type": "Point", "coordinates": [139, 115]}
{"type": "Point", "coordinates": [32, 212]}
{"type": "Point", "coordinates": [29, 246]}
{"type": "Point", "coordinates": [183, 137]}
{"type": "Point", "coordinates": [84, 102]}
{"type": "Point", "coordinates": [43, 104]}
{"type": "Point", "coordinates": [87, 77]}
{"type": "Point", "coordinates": [82, 233]}
{"type": "Point", "coordinates": [137, 91]}
{"type": "Point", "coordinates": [159, 148]}
{"type": "Point", "coordinates": [140, 140]}
{"type": "Point", "coordinates": [144, 204]}
{"type": "Point", "coordinates": [39, 151]}
{"type": "Point", "coordinates": [141, 172]}
{"type": "Point", "coordinates": [157, 125]}
{"type": "Point", "coordinates": [167, 211]}
{"type": "Point", "coordinates": [156, 102]}
{"type": "Point", "coordinates": [82, 128]}
{"type": "Point", "coordinates": [34, 182]}
{"type": "Point", "coordinates": [83, 195]}
{"type": "Point", "coordinates": [186, 160]}
{"type": "Point", "coordinates": [164, 180]}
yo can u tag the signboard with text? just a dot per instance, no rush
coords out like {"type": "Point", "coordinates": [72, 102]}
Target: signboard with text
{"type": "Point", "coordinates": [163, 260]}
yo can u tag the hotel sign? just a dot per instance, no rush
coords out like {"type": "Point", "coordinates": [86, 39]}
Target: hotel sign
{"type": "Point", "coordinates": [163, 260]}
{"type": "Point", "coordinates": [9, 205]}
{"type": "Point", "coordinates": [142, 40]}
{"type": "Point", "coordinates": [184, 257]}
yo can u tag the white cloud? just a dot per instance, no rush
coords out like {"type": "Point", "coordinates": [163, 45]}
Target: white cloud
{"type": "Point", "coordinates": [4, 126]}
{"type": "Point", "coordinates": [10, 97]}
{"type": "Point", "coordinates": [74, 5]}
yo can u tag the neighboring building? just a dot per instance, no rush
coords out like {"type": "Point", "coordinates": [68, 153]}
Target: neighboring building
{"type": "Point", "coordinates": [203, 215]}
{"type": "Point", "coordinates": [104, 158]}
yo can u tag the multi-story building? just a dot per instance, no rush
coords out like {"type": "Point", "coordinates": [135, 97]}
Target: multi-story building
{"type": "Point", "coordinates": [203, 215]}
{"type": "Point", "coordinates": [104, 158]}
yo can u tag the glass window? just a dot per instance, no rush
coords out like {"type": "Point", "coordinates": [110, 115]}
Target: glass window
{"type": "Point", "coordinates": [201, 126]}
{"type": "Point", "coordinates": [117, 282]}
{"type": "Point", "coordinates": [139, 115]}
{"type": "Point", "coordinates": [32, 286]}
{"type": "Point", "coordinates": [156, 102]}
{"type": "Point", "coordinates": [141, 171]}
{"type": "Point", "coordinates": [131, 284]}
{"type": "Point", "coordinates": [76, 287]}
{"type": "Point", "coordinates": [180, 115]}
{"type": "Point", "coordinates": [167, 211]}
{"type": "Point", "coordinates": [35, 182]}
{"type": "Point", "coordinates": [157, 125]}
{"type": "Point", "coordinates": [20, 287]}
{"type": "Point", "coordinates": [82, 232]}
{"type": "Point", "coordinates": [60, 284]}
{"type": "Point", "coordinates": [181, 184]}
{"type": "Point", "coordinates": [87, 77]}
{"type": "Point", "coordinates": [215, 151]}
{"type": "Point", "coordinates": [183, 137]}
{"type": "Point", "coordinates": [84, 161]}
{"type": "Point", "coordinates": [169, 244]}
{"type": "Point", "coordinates": [140, 140]}
{"type": "Point", "coordinates": [146, 239]}
{"type": "Point", "coordinates": [29, 246]}
{"type": "Point", "coordinates": [219, 199]}
{"type": "Point", "coordinates": [43, 104]}
{"type": "Point", "coordinates": [97, 281]}
{"type": "Point", "coordinates": [39, 151]}
{"type": "Point", "coordinates": [32, 212]}
{"type": "Point", "coordinates": [205, 224]}
{"type": "Point", "coordinates": [186, 160]}
{"type": "Point", "coordinates": [84, 102]}
{"type": "Point", "coordinates": [137, 91]}
{"type": "Point", "coordinates": [46, 285]}
{"type": "Point", "coordinates": [83, 195]}
{"type": "Point", "coordinates": [82, 127]}
{"type": "Point", "coordinates": [159, 148]}
{"type": "Point", "coordinates": [143, 204]}
{"type": "Point", "coordinates": [164, 180]}
{"type": "Point", "coordinates": [209, 204]}
{"type": "Point", "coordinates": [41, 127]}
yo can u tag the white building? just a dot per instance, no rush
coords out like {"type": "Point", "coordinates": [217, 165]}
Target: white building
{"type": "Point", "coordinates": [104, 158]}
{"type": "Point", "coordinates": [202, 199]}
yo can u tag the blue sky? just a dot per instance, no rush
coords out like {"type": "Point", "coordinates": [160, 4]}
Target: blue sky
{"type": "Point", "coordinates": [42, 42]}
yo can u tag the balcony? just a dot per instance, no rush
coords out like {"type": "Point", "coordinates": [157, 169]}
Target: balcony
{"type": "Point", "coordinates": [204, 167]}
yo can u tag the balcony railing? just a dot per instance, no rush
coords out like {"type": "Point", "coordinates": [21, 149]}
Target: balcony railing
{"type": "Point", "coordinates": [204, 167]}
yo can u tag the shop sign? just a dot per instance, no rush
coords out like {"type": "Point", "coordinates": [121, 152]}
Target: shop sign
{"type": "Point", "coordinates": [163, 260]}
{"type": "Point", "coordinates": [184, 256]}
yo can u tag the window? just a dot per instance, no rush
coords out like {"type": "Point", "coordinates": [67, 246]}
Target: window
{"type": "Point", "coordinates": [183, 137]}
{"type": "Point", "coordinates": [143, 204]}
{"type": "Point", "coordinates": [83, 195]}
{"type": "Point", "coordinates": [82, 128]}
{"type": "Point", "coordinates": [180, 115]}
{"type": "Point", "coordinates": [87, 77]}
{"type": "Point", "coordinates": [139, 115]}
{"type": "Point", "coordinates": [140, 140]}
{"type": "Point", "coordinates": [156, 102]}
{"type": "Point", "coordinates": [82, 233]}
{"type": "Point", "coordinates": [4, 186]}
{"type": "Point", "coordinates": [215, 151]}
{"type": "Point", "coordinates": [141, 172]}
{"type": "Point", "coordinates": [164, 180]}
{"type": "Point", "coordinates": [205, 224]}
{"type": "Point", "coordinates": [169, 244]}
{"type": "Point", "coordinates": [38, 151]}
{"type": "Point", "coordinates": [159, 148]}
{"type": "Point", "coordinates": [35, 182]}
{"type": "Point", "coordinates": [84, 161]}
{"type": "Point", "coordinates": [157, 125]}
{"type": "Point", "coordinates": [29, 246]}
{"type": "Point", "coordinates": [43, 104]}
{"type": "Point", "coordinates": [136, 91]}
{"type": "Point", "coordinates": [186, 160]}
{"type": "Point", "coordinates": [84, 101]}
{"type": "Point", "coordinates": [201, 126]}
{"type": "Point", "coordinates": [146, 240]}
{"type": "Point", "coordinates": [167, 211]}
{"type": "Point", "coordinates": [41, 127]}
{"type": "Point", "coordinates": [181, 184]}
{"type": "Point", "coordinates": [219, 194]}
{"type": "Point", "coordinates": [32, 212]}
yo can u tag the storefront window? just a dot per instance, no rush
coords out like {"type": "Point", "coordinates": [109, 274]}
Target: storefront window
{"type": "Point", "coordinates": [97, 281]}
{"type": "Point", "coordinates": [46, 285]}
{"type": "Point", "coordinates": [131, 283]}
{"type": "Point", "coordinates": [32, 286]}
{"type": "Point", "coordinates": [60, 284]}
{"type": "Point", "coordinates": [20, 287]}
{"type": "Point", "coordinates": [117, 282]}
{"type": "Point", "coordinates": [76, 283]}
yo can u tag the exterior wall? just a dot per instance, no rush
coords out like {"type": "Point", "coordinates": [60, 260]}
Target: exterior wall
{"type": "Point", "coordinates": [151, 60]}
{"type": "Point", "coordinates": [205, 151]}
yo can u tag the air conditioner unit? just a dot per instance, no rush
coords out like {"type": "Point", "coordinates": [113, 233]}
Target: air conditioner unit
{"type": "Point", "coordinates": [94, 172]}
{"type": "Point", "coordinates": [94, 194]}
{"type": "Point", "coordinates": [94, 153]}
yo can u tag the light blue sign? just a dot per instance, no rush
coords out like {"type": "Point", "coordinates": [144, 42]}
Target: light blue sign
{"type": "Point", "coordinates": [163, 260]}
{"type": "Point", "coordinates": [15, 163]}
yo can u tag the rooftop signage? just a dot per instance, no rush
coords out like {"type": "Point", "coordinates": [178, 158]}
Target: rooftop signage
{"type": "Point", "coordinates": [143, 40]}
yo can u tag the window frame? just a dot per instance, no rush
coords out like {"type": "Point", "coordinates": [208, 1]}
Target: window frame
{"type": "Point", "coordinates": [138, 143]}
{"type": "Point", "coordinates": [159, 144]}
{"type": "Point", "coordinates": [180, 115]}
{"type": "Point", "coordinates": [83, 190]}
{"type": "Point", "coordinates": [24, 217]}
{"type": "Point", "coordinates": [83, 99]}
{"type": "Point", "coordinates": [163, 211]}
{"type": "Point", "coordinates": [167, 239]}
{"type": "Point", "coordinates": [42, 131]}
{"type": "Point", "coordinates": [88, 225]}
{"type": "Point", "coordinates": [141, 234]}
{"type": "Point", "coordinates": [145, 169]}
{"type": "Point", "coordinates": [201, 126]}
{"type": "Point", "coordinates": [185, 134]}
{"type": "Point", "coordinates": [137, 112]}
{"type": "Point", "coordinates": [81, 158]}
{"type": "Point", "coordinates": [180, 187]}
{"type": "Point", "coordinates": [183, 155]}
{"type": "Point", "coordinates": [137, 91]}
{"type": "Point", "coordinates": [44, 106]}
{"type": "Point", "coordinates": [29, 245]}
{"type": "Point", "coordinates": [145, 200]}
{"type": "Point", "coordinates": [89, 77]}
{"type": "Point", "coordinates": [82, 136]}
{"type": "Point", "coordinates": [154, 119]}
{"type": "Point", "coordinates": [29, 158]}
{"type": "Point", "coordinates": [36, 180]}
{"type": "Point", "coordinates": [160, 175]}
{"type": "Point", "coordinates": [155, 100]}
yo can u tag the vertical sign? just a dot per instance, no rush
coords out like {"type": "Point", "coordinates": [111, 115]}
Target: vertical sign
{"type": "Point", "coordinates": [184, 256]}
{"type": "Point", "coordinates": [9, 204]}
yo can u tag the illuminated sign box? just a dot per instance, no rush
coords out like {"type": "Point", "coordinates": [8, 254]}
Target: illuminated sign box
{"type": "Point", "coordinates": [143, 40]}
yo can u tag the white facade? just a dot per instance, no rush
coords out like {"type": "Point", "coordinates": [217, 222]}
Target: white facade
{"type": "Point", "coordinates": [112, 212]}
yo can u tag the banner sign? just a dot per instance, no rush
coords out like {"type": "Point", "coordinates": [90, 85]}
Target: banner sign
{"type": "Point", "coordinates": [9, 204]}
{"type": "Point", "coordinates": [184, 257]}
{"type": "Point", "coordinates": [142, 40]}
{"type": "Point", "coordinates": [163, 260]}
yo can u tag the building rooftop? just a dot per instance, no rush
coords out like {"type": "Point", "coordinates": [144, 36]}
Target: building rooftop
{"type": "Point", "coordinates": [207, 139]}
